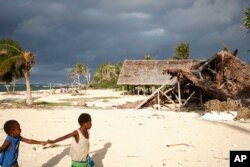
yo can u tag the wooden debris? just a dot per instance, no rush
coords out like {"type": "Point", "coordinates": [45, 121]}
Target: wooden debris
{"type": "Point", "coordinates": [221, 77]}
{"type": "Point", "coordinates": [180, 144]}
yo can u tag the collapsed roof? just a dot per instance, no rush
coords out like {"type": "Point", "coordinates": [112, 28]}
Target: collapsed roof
{"type": "Point", "coordinates": [221, 77]}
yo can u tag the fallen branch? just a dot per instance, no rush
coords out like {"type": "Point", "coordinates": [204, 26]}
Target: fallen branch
{"type": "Point", "coordinates": [180, 144]}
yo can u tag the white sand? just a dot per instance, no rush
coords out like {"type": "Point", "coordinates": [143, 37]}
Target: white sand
{"type": "Point", "coordinates": [122, 138]}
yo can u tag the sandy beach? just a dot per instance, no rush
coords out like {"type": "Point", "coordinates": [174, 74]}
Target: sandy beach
{"type": "Point", "coordinates": [124, 137]}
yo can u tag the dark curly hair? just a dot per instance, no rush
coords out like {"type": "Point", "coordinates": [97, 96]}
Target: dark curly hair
{"type": "Point", "coordinates": [10, 126]}
{"type": "Point", "coordinates": [83, 118]}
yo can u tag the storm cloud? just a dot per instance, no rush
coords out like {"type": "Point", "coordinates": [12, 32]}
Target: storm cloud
{"type": "Point", "coordinates": [62, 33]}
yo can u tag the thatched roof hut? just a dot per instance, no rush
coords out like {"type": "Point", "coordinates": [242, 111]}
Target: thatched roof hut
{"type": "Point", "coordinates": [150, 72]}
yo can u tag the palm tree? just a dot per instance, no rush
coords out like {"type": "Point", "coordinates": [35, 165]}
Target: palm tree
{"type": "Point", "coordinates": [106, 72]}
{"type": "Point", "coordinates": [246, 19]}
{"type": "Point", "coordinates": [147, 56]}
{"type": "Point", "coordinates": [182, 51]}
{"type": "Point", "coordinates": [78, 70]}
{"type": "Point", "coordinates": [16, 63]}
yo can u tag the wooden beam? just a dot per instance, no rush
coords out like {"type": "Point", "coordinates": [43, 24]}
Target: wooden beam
{"type": "Point", "coordinates": [188, 98]}
{"type": "Point", "coordinates": [168, 98]}
{"type": "Point", "coordinates": [175, 96]}
{"type": "Point", "coordinates": [201, 98]}
{"type": "Point", "coordinates": [169, 90]}
{"type": "Point", "coordinates": [201, 77]}
{"type": "Point", "coordinates": [153, 94]}
{"type": "Point", "coordinates": [212, 71]}
{"type": "Point", "coordinates": [158, 101]}
{"type": "Point", "coordinates": [222, 85]}
{"type": "Point", "coordinates": [179, 90]}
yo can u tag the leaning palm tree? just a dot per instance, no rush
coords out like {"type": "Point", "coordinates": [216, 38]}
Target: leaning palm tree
{"type": "Point", "coordinates": [28, 61]}
{"type": "Point", "coordinates": [77, 71]}
{"type": "Point", "coordinates": [16, 63]}
{"type": "Point", "coordinates": [83, 69]}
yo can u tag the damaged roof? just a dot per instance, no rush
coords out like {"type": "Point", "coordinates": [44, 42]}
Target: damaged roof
{"type": "Point", "coordinates": [222, 76]}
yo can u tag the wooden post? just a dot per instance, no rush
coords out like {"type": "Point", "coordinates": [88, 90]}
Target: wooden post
{"type": "Point", "coordinates": [179, 90]}
{"type": "Point", "coordinates": [158, 101]}
{"type": "Point", "coordinates": [144, 90]}
{"type": "Point", "coordinates": [201, 98]}
{"type": "Point", "coordinates": [123, 90]}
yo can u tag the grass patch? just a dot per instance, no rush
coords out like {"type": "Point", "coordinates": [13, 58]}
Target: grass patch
{"type": "Point", "coordinates": [92, 99]}
{"type": "Point", "coordinates": [12, 93]}
{"type": "Point", "coordinates": [52, 104]}
{"type": "Point", "coordinates": [12, 100]}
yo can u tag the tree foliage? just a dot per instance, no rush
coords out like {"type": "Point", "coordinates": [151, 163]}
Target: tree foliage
{"type": "Point", "coordinates": [147, 56]}
{"type": "Point", "coordinates": [107, 75]}
{"type": "Point", "coordinates": [107, 72]}
{"type": "Point", "coordinates": [246, 19]}
{"type": "Point", "coordinates": [77, 71]}
{"type": "Point", "coordinates": [182, 51]}
{"type": "Point", "coordinates": [15, 63]}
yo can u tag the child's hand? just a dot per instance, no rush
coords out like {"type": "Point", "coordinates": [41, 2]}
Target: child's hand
{"type": "Point", "coordinates": [43, 143]}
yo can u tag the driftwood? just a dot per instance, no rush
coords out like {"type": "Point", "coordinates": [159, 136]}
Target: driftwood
{"type": "Point", "coordinates": [180, 144]}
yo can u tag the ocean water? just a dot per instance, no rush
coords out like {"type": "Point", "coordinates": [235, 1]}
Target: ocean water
{"type": "Point", "coordinates": [22, 87]}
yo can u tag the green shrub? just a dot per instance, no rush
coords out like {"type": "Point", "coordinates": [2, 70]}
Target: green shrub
{"type": "Point", "coordinates": [105, 85]}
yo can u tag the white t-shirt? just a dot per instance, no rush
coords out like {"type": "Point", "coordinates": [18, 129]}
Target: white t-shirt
{"type": "Point", "coordinates": [80, 150]}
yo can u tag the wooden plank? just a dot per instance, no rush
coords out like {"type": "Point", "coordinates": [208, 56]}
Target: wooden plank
{"type": "Point", "coordinates": [149, 98]}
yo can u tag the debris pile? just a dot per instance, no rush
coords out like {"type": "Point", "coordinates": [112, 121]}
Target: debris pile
{"type": "Point", "coordinates": [221, 77]}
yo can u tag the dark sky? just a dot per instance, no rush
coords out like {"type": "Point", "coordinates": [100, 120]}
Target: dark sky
{"type": "Point", "coordinates": [62, 33]}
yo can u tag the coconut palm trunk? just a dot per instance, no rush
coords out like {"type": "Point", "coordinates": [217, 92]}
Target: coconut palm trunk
{"type": "Point", "coordinates": [29, 100]}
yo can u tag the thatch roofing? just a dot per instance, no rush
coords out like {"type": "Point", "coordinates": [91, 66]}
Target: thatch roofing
{"type": "Point", "coordinates": [149, 72]}
{"type": "Point", "coordinates": [223, 76]}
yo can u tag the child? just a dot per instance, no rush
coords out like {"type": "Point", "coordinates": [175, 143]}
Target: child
{"type": "Point", "coordinates": [9, 149]}
{"type": "Point", "coordinates": [80, 143]}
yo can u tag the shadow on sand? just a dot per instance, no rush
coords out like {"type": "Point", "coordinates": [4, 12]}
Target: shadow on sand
{"type": "Point", "coordinates": [98, 156]}
{"type": "Point", "coordinates": [235, 127]}
{"type": "Point", "coordinates": [55, 160]}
